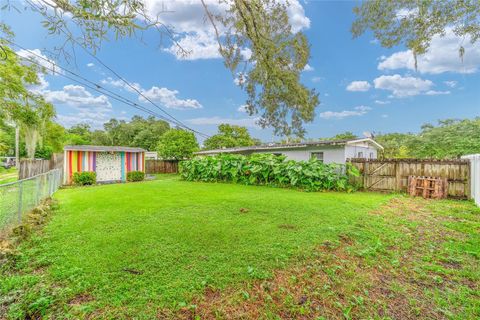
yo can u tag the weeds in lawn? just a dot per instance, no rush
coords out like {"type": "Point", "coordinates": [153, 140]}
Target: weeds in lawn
{"type": "Point", "coordinates": [172, 249]}
{"type": "Point", "coordinates": [408, 265]}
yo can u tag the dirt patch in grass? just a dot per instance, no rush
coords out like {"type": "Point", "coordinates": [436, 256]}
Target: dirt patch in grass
{"type": "Point", "coordinates": [80, 299]}
{"type": "Point", "coordinates": [287, 226]}
{"type": "Point", "coordinates": [350, 280]}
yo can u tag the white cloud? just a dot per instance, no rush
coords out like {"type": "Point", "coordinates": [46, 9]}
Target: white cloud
{"type": "Point", "coordinates": [436, 93]}
{"type": "Point", "coordinates": [358, 86]}
{"type": "Point", "coordinates": [51, 68]}
{"type": "Point", "coordinates": [245, 122]}
{"type": "Point", "coordinates": [36, 55]}
{"type": "Point", "coordinates": [384, 115]}
{"type": "Point", "coordinates": [87, 108]}
{"type": "Point", "coordinates": [195, 33]}
{"type": "Point", "coordinates": [42, 85]}
{"type": "Point", "coordinates": [382, 102]}
{"type": "Point", "coordinates": [442, 56]}
{"type": "Point", "coordinates": [451, 84]}
{"type": "Point", "coordinates": [308, 68]}
{"type": "Point", "coordinates": [296, 15]}
{"type": "Point", "coordinates": [164, 96]}
{"type": "Point", "coordinates": [240, 79]}
{"type": "Point", "coordinates": [357, 111]}
{"type": "Point", "coordinates": [90, 65]}
{"type": "Point", "coordinates": [402, 86]}
{"type": "Point", "coordinates": [200, 45]}
{"type": "Point", "coordinates": [121, 84]}
{"type": "Point", "coordinates": [242, 108]}
{"type": "Point", "coordinates": [169, 98]}
{"type": "Point", "coordinates": [77, 96]}
{"type": "Point", "coordinates": [317, 79]}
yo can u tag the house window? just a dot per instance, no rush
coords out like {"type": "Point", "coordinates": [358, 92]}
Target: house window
{"type": "Point", "coordinates": [318, 156]}
{"type": "Point", "coordinates": [371, 155]}
{"type": "Point", "coordinates": [360, 154]}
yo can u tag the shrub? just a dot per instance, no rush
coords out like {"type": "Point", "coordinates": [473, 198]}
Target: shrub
{"type": "Point", "coordinates": [84, 178]}
{"type": "Point", "coordinates": [269, 169]}
{"type": "Point", "coordinates": [133, 176]}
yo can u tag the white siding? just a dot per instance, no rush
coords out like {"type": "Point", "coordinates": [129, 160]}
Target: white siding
{"type": "Point", "coordinates": [330, 154]}
{"type": "Point", "coordinates": [351, 151]}
{"type": "Point", "coordinates": [474, 176]}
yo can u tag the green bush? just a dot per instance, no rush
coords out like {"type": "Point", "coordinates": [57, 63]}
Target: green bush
{"type": "Point", "coordinates": [269, 169]}
{"type": "Point", "coordinates": [133, 176]}
{"type": "Point", "coordinates": [84, 178]}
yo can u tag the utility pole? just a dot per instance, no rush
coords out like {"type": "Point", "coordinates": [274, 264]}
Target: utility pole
{"type": "Point", "coordinates": [17, 145]}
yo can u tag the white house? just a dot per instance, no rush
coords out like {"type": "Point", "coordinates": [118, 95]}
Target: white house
{"type": "Point", "coordinates": [337, 151]}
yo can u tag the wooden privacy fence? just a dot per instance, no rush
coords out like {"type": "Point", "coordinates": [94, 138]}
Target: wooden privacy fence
{"type": "Point", "coordinates": [30, 168]}
{"type": "Point", "coordinates": [161, 166]}
{"type": "Point", "coordinates": [392, 174]}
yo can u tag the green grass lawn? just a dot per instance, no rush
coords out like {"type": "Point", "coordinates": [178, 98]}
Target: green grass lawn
{"type": "Point", "coordinates": [8, 175]}
{"type": "Point", "coordinates": [143, 250]}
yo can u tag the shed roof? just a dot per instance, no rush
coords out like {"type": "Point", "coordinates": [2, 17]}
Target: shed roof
{"type": "Point", "coordinates": [103, 148]}
{"type": "Point", "coordinates": [274, 146]}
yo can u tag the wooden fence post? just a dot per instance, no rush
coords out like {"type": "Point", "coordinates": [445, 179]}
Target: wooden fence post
{"type": "Point", "coordinates": [365, 174]}
{"type": "Point", "coordinates": [398, 177]}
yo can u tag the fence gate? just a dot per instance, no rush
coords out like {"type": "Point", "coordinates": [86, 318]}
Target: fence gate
{"type": "Point", "coordinates": [379, 175]}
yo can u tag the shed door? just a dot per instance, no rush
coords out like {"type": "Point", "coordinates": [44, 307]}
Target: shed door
{"type": "Point", "coordinates": [108, 166]}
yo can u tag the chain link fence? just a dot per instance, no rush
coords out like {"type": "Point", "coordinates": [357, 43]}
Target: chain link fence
{"type": "Point", "coordinates": [19, 197]}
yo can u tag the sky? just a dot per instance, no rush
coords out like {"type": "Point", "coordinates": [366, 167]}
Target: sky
{"type": "Point", "coordinates": [362, 86]}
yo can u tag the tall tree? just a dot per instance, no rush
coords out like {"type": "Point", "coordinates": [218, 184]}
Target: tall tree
{"type": "Point", "coordinates": [270, 72]}
{"type": "Point", "coordinates": [32, 118]}
{"type": "Point", "coordinates": [230, 136]}
{"type": "Point", "coordinates": [27, 110]}
{"type": "Point", "coordinates": [414, 23]}
{"type": "Point", "coordinates": [347, 135]}
{"type": "Point", "coordinates": [177, 144]}
{"type": "Point", "coordinates": [396, 145]}
{"type": "Point", "coordinates": [79, 134]}
{"type": "Point", "coordinates": [451, 138]}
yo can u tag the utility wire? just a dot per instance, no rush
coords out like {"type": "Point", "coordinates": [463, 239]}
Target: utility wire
{"type": "Point", "coordinates": [111, 70]}
{"type": "Point", "coordinates": [97, 87]}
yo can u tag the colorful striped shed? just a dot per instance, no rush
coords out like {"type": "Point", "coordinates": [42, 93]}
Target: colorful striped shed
{"type": "Point", "coordinates": [111, 164]}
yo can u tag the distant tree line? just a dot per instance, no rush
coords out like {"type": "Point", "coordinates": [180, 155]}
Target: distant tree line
{"type": "Point", "coordinates": [450, 138]}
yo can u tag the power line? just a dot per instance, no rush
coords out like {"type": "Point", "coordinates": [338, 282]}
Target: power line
{"type": "Point", "coordinates": [97, 87]}
{"type": "Point", "coordinates": [113, 71]}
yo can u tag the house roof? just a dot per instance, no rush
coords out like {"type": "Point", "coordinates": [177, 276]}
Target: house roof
{"type": "Point", "coordinates": [275, 146]}
{"type": "Point", "coordinates": [103, 148]}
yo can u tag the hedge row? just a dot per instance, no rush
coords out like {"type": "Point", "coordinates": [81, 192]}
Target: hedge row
{"type": "Point", "coordinates": [269, 169]}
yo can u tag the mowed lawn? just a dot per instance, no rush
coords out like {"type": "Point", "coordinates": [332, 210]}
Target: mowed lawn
{"type": "Point", "coordinates": [154, 249]}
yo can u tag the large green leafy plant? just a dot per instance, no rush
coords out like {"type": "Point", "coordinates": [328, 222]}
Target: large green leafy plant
{"type": "Point", "coordinates": [269, 169]}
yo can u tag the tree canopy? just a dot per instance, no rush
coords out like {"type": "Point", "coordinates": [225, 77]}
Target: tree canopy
{"type": "Point", "coordinates": [255, 39]}
{"type": "Point", "coordinates": [138, 132]}
{"type": "Point", "coordinates": [177, 144]}
{"type": "Point", "coordinates": [21, 106]}
{"type": "Point", "coordinates": [230, 136]}
{"type": "Point", "coordinates": [347, 135]}
{"type": "Point", "coordinates": [414, 23]}
{"type": "Point", "coordinates": [451, 138]}
{"type": "Point", "coordinates": [271, 74]}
